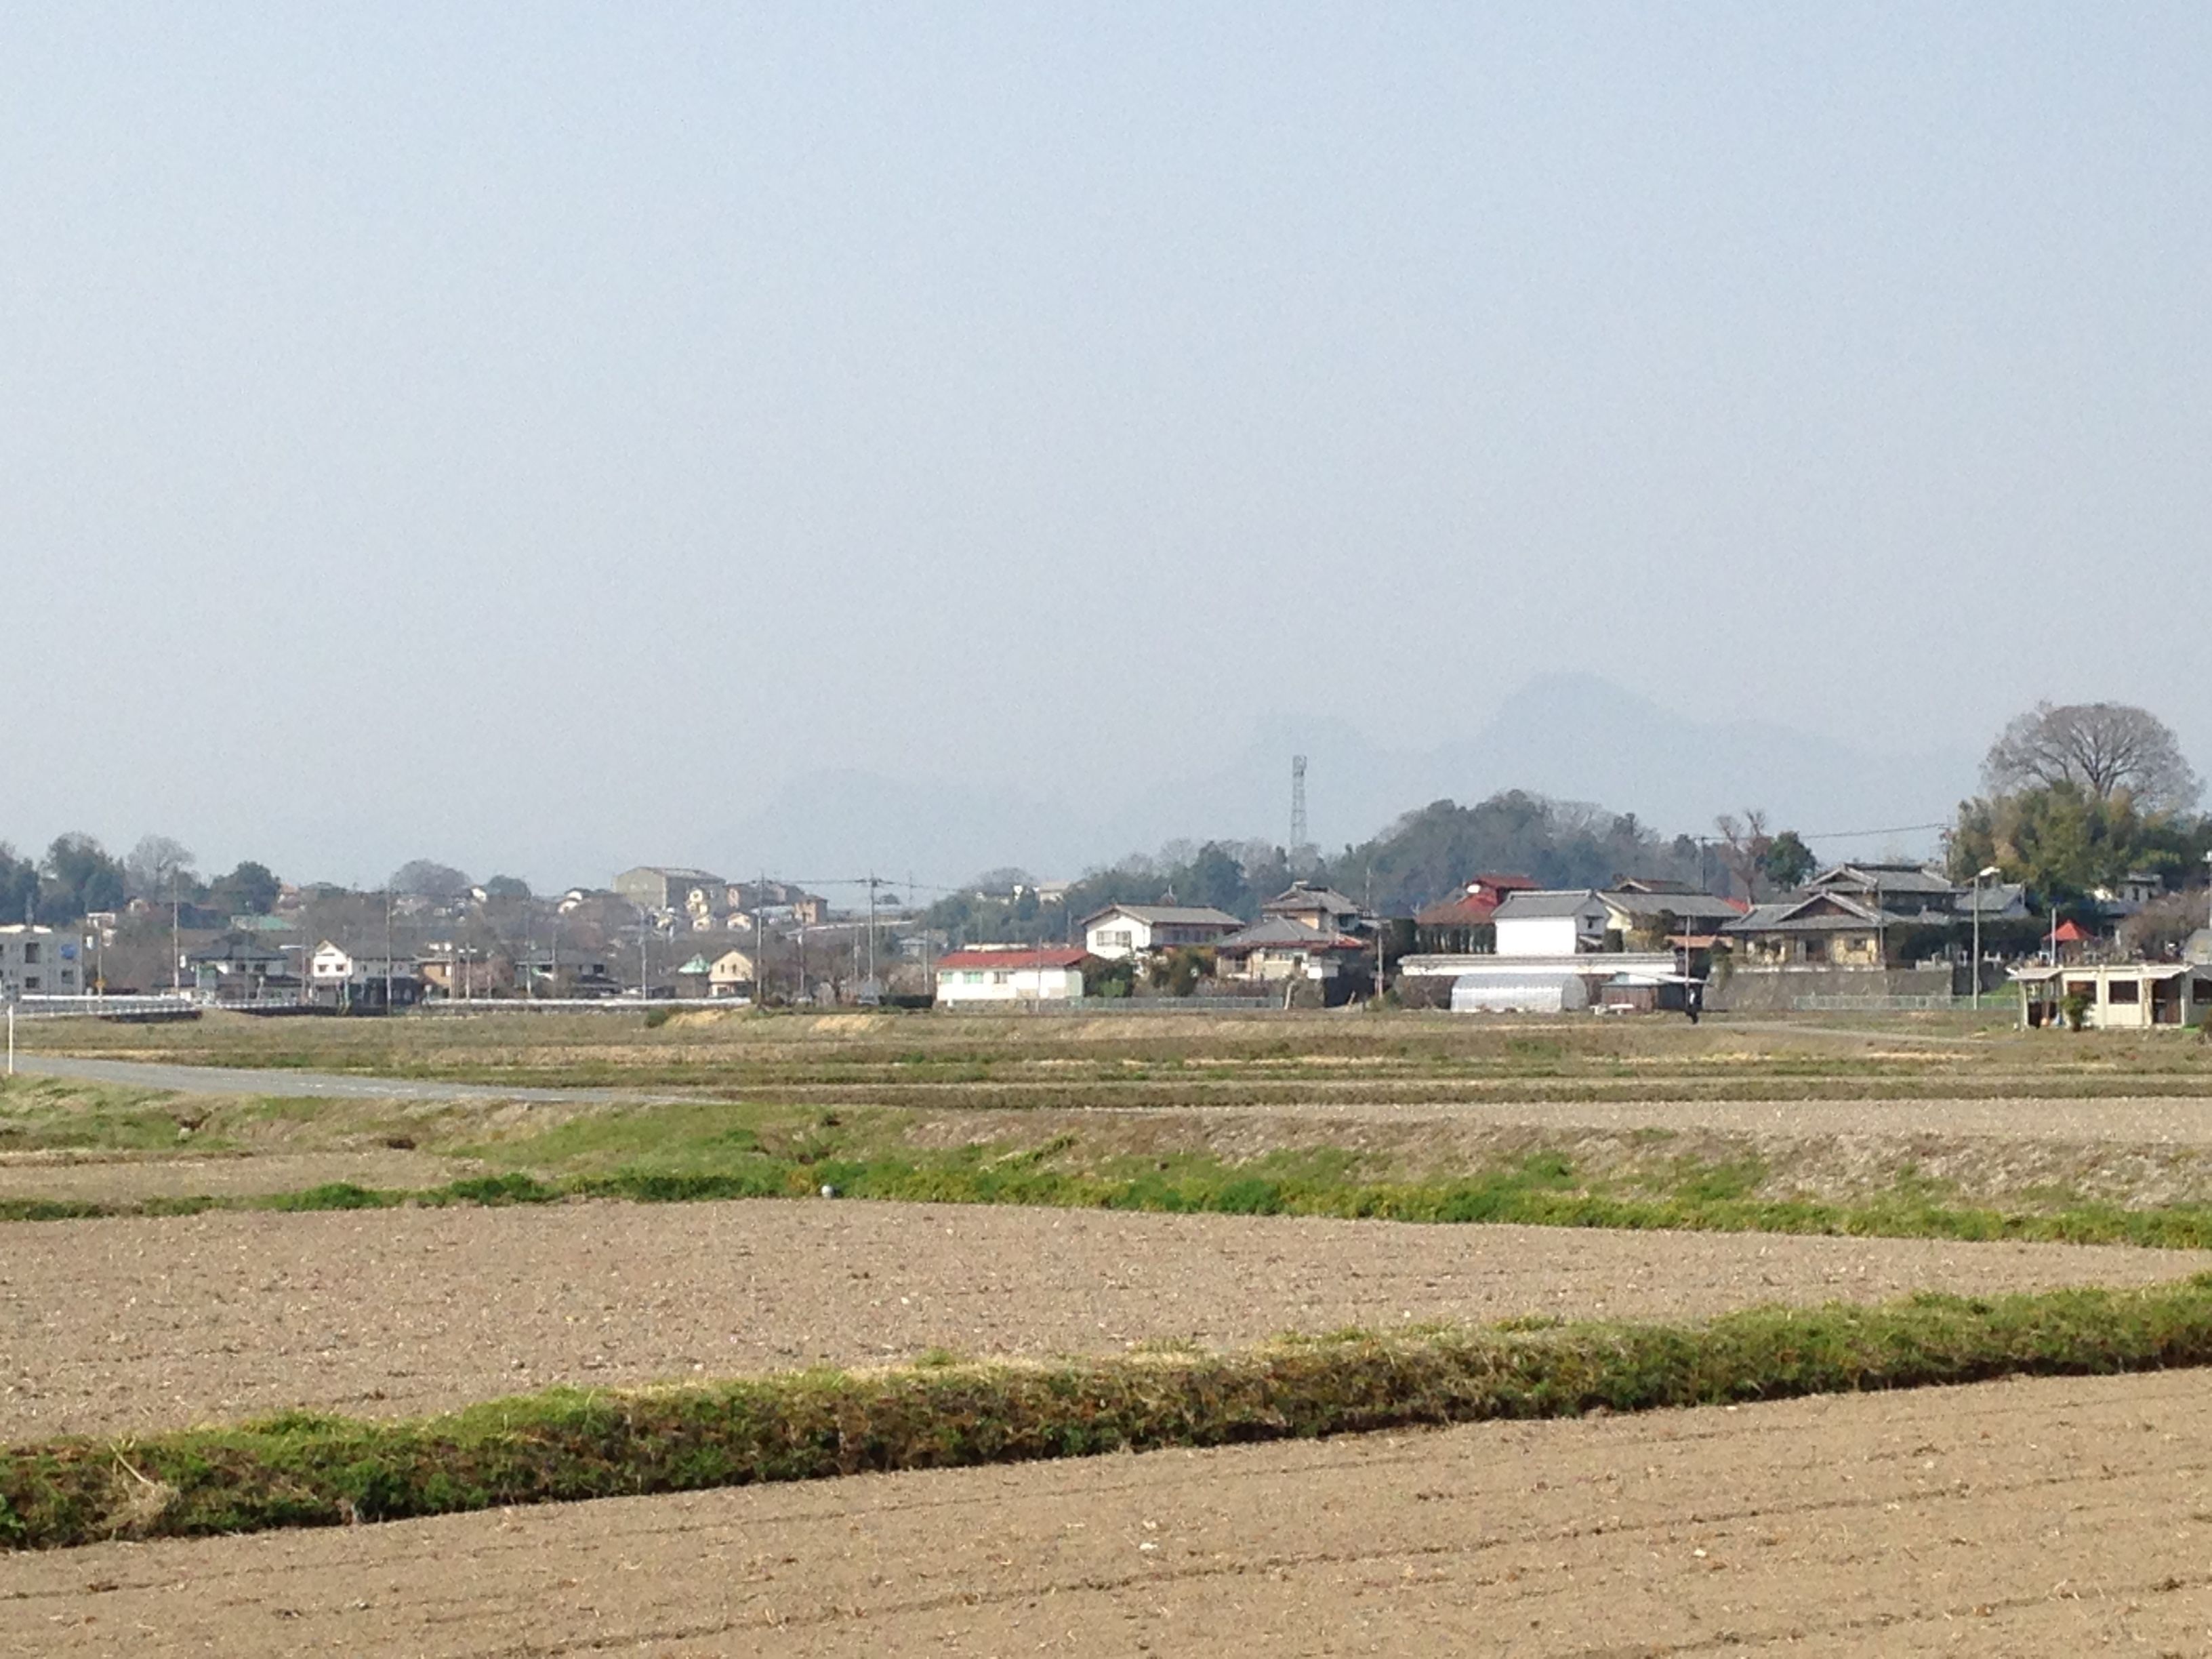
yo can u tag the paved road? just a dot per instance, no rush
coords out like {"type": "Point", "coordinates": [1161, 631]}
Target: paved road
{"type": "Point", "coordinates": [239, 1080]}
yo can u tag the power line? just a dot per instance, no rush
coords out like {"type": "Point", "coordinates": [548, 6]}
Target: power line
{"type": "Point", "coordinates": [1868, 835]}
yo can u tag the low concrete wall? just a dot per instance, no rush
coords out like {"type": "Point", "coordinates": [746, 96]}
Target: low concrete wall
{"type": "Point", "coordinates": [1776, 990]}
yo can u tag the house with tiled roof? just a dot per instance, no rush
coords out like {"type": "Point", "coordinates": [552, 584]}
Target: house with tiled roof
{"type": "Point", "coordinates": [1137, 930]}
{"type": "Point", "coordinates": [986, 974]}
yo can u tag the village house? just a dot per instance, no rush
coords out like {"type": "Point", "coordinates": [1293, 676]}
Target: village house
{"type": "Point", "coordinates": [730, 975]}
{"type": "Point", "coordinates": [1461, 925]}
{"type": "Point", "coordinates": [1278, 948]}
{"type": "Point", "coordinates": [1826, 929]}
{"type": "Point", "coordinates": [357, 978]}
{"type": "Point", "coordinates": [1902, 889]}
{"type": "Point", "coordinates": [1322, 909]}
{"type": "Point", "coordinates": [986, 975]}
{"type": "Point", "coordinates": [1137, 930]}
{"type": "Point", "coordinates": [1640, 913]}
{"type": "Point", "coordinates": [238, 967]}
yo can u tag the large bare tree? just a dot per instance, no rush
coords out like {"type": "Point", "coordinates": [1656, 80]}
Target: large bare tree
{"type": "Point", "coordinates": [1744, 844]}
{"type": "Point", "coordinates": [2103, 748]}
{"type": "Point", "coordinates": [156, 865]}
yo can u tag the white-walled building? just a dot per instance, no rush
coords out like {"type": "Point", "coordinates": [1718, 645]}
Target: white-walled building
{"type": "Point", "coordinates": [38, 961]}
{"type": "Point", "coordinates": [2120, 996]}
{"type": "Point", "coordinates": [731, 973]}
{"type": "Point", "coordinates": [1551, 922]}
{"type": "Point", "coordinates": [1018, 974]}
{"type": "Point", "coordinates": [1124, 930]}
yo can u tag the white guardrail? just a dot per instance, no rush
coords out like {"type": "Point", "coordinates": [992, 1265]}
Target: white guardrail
{"type": "Point", "coordinates": [92, 1005]}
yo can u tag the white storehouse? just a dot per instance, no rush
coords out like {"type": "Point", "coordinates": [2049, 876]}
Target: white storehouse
{"type": "Point", "coordinates": [1124, 930]}
{"type": "Point", "coordinates": [1551, 922]}
{"type": "Point", "coordinates": [1017, 975]}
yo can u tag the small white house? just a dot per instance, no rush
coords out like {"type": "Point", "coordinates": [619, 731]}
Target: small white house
{"type": "Point", "coordinates": [330, 965]}
{"type": "Point", "coordinates": [1551, 922]}
{"type": "Point", "coordinates": [1017, 975]}
{"type": "Point", "coordinates": [729, 974]}
{"type": "Point", "coordinates": [2117, 996]}
{"type": "Point", "coordinates": [1124, 930]}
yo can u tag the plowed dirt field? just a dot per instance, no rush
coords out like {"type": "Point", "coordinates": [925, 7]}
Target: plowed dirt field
{"type": "Point", "coordinates": [121, 1324]}
{"type": "Point", "coordinates": [2026, 1518]}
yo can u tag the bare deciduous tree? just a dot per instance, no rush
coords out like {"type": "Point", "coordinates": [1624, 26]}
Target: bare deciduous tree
{"type": "Point", "coordinates": [1744, 846]}
{"type": "Point", "coordinates": [2103, 748]}
{"type": "Point", "coordinates": [154, 864]}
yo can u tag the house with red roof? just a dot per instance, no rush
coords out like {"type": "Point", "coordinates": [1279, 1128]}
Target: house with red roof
{"type": "Point", "coordinates": [1460, 923]}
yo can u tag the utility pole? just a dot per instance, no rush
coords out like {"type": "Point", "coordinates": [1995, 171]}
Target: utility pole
{"type": "Point", "coordinates": [760, 941]}
{"type": "Point", "coordinates": [387, 947]}
{"type": "Point", "coordinates": [872, 924]}
{"type": "Point", "coordinates": [176, 946]}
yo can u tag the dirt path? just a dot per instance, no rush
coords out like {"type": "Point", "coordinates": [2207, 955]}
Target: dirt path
{"type": "Point", "coordinates": [288, 1084]}
{"type": "Point", "coordinates": [114, 1325]}
{"type": "Point", "coordinates": [128, 1178]}
{"type": "Point", "coordinates": [2013, 1518]}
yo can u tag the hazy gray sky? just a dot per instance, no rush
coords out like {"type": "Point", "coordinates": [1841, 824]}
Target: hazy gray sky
{"type": "Point", "coordinates": [531, 436]}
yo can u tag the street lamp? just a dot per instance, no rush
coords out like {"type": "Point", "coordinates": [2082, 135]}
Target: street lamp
{"type": "Point", "coordinates": [1975, 976]}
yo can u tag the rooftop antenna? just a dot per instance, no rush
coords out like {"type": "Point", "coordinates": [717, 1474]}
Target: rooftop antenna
{"type": "Point", "coordinates": [1298, 803]}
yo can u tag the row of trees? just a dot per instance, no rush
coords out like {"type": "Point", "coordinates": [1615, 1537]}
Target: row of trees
{"type": "Point", "coordinates": [77, 876]}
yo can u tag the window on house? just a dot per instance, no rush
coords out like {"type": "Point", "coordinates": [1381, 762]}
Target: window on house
{"type": "Point", "coordinates": [972, 976]}
{"type": "Point", "coordinates": [30, 952]}
{"type": "Point", "coordinates": [31, 981]}
{"type": "Point", "coordinates": [1002, 977]}
{"type": "Point", "coordinates": [2124, 990]}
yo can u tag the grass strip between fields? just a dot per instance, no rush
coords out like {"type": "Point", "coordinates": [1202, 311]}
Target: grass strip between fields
{"type": "Point", "coordinates": [304, 1469]}
{"type": "Point", "coordinates": [1537, 1193]}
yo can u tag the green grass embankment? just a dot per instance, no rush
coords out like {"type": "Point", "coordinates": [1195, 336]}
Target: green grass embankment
{"type": "Point", "coordinates": [1538, 1193]}
{"type": "Point", "coordinates": [314, 1470]}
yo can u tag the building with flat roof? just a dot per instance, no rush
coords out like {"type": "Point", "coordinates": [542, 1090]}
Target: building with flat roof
{"type": "Point", "coordinates": [38, 961]}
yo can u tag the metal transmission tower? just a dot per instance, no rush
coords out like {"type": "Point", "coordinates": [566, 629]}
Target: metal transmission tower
{"type": "Point", "coordinates": [1298, 803]}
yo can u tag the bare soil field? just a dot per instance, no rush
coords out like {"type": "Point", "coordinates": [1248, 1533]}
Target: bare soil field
{"type": "Point", "coordinates": [135, 1323]}
{"type": "Point", "coordinates": [2030, 1517]}
{"type": "Point", "coordinates": [2134, 1120]}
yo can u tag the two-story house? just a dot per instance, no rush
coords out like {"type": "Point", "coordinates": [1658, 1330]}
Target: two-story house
{"type": "Point", "coordinates": [1137, 930]}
